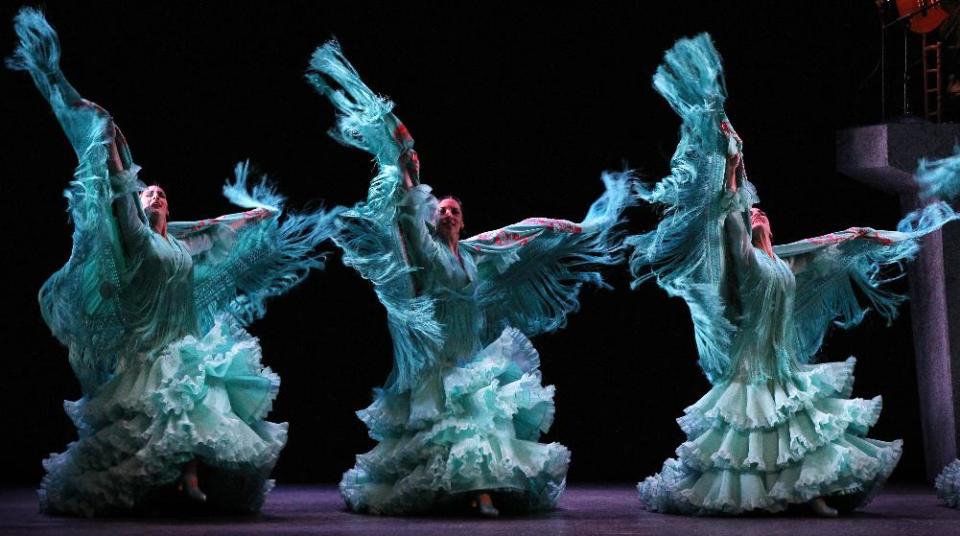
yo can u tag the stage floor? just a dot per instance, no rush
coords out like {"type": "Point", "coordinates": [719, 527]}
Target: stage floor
{"type": "Point", "coordinates": [583, 510]}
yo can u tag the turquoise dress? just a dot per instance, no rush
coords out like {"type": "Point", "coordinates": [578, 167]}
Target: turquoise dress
{"type": "Point", "coordinates": [941, 179]}
{"type": "Point", "coordinates": [948, 484]}
{"type": "Point", "coordinates": [774, 429]}
{"type": "Point", "coordinates": [464, 408]}
{"type": "Point", "coordinates": [154, 324]}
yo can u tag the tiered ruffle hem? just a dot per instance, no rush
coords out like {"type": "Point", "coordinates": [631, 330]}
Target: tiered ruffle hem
{"type": "Point", "coordinates": [465, 428]}
{"type": "Point", "coordinates": [198, 399]}
{"type": "Point", "coordinates": [769, 445]}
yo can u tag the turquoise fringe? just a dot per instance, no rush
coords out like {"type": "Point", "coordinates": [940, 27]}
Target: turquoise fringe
{"type": "Point", "coordinates": [940, 178]}
{"type": "Point", "coordinates": [948, 484]}
{"type": "Point", "coordinates": [772, 431]}
{"type": "Point", "coordinates": [686, 252]}
{"type": "Point", "coordinates": [154, 324]}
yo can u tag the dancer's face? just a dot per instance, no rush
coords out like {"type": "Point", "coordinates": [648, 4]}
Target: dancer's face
{"type": "Point", "coordinates": [154, 202]}
{"type": "Point", "coordinates": [759, 225]}
{"type": "Point", "coordinates": [449, 218]}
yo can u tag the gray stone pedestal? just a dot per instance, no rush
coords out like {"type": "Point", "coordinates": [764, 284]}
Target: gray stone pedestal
{"type": "Point", "coordinates": [885, 156]}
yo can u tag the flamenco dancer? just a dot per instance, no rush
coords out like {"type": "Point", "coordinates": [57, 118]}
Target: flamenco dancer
{"type": "Point", "coordinates": [774, 430]}
{"type": "Point", "coordinates": [152, 312]}
{"type": "Point", "coordinates": [459, 418]}
{"type": "Point", "coordinates": [941, 179]}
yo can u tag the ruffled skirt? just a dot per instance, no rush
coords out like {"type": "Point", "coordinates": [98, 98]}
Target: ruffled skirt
{"type": "Point", "coordinates": [465, 428]}
{"type": "Point", "coordinates": [948, 484]}
{"type": "Point", "coordinates": [200, 399]}
{"type": "Point", "coordinates": [767, 446]}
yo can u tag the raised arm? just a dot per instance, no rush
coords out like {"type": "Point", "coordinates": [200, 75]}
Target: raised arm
{"type": "Point", "coordinates": [738, 238]}
{"type": "Point", "coordinates": [369, 233]}
{"type": "Point", "coordinates": [736, 231]}
{"type": "Point", "coordinates": [366, 121]}
{"type": "Point", "coordinates": [39, 54]}
{"type": "Point", "coordinates": [84, 122]}
{"type": "Point", "coordinates": [417, 207]}
{"type": "Point", "coordinates": [687, 252]}
{"type": "Point", "coordinates": [124, 183]}
{"type": "Point", "coordinates": [414, 219]}
{"type": "Point", "coordinates": [80, 302]}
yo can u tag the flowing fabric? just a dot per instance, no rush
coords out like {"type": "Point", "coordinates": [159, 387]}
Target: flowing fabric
{"type": "Point", "coordinates": [464, 407]}
{"type": "Point", "coordinates": [154, 324]}
{"type": "Point", "coordinates": [773, 430]}
{"type": "Point", "coordinates": [940, 178]}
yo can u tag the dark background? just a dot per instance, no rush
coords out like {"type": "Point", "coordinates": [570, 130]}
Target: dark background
{"type": "Point", "coordinates": [517, 110]}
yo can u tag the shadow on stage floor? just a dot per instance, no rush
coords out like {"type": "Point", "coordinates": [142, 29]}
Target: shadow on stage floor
{"type": "Point", "coordinates": [583, 510]}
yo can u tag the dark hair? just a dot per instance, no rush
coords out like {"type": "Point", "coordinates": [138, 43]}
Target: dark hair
{"type": "Point", "coordinates": [455, 198]}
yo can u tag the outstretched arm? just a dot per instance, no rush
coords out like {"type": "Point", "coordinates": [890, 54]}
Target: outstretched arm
{"type": "Point", "coordinates": [529, 275]}
{"type": "Point", "coordinates": [843, 274]}
{"type": "Point", "coordinates": [242, 260]}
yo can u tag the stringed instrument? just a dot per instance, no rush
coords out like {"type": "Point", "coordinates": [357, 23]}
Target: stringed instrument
{"type": "Point", "coordinates": [926, 15]}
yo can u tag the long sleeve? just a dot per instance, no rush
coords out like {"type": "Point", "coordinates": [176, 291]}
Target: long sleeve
{"type": "Point", "coordinates": [126, 211]}
{"type": "Point", "coordinates": [736, 234]}
{"type": "Point", "coordinates": [415, 219]}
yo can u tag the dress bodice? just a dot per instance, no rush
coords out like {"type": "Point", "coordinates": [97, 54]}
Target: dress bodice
{"type": "Point", "coordinates": [763, 346]}
{"type": "Point", "coordinates": [452, 282]}
{"type": "Point", "coordinates": [157, 299]}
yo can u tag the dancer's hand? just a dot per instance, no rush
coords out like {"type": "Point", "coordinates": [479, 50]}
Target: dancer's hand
{"type": "Point", "coordinates": [734, 161]}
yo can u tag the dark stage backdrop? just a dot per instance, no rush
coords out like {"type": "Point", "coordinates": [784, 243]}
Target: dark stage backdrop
{"type": "Point", "coordinates": [516, 110]}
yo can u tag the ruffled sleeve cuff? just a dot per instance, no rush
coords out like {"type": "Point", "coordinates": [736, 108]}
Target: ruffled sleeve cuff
{"type": "Point", "coordinates": [738, 201]}
{"type": "Point", "coordinates": [126, 182]}
{"type": "Point", "coordinates": [419, 203]}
